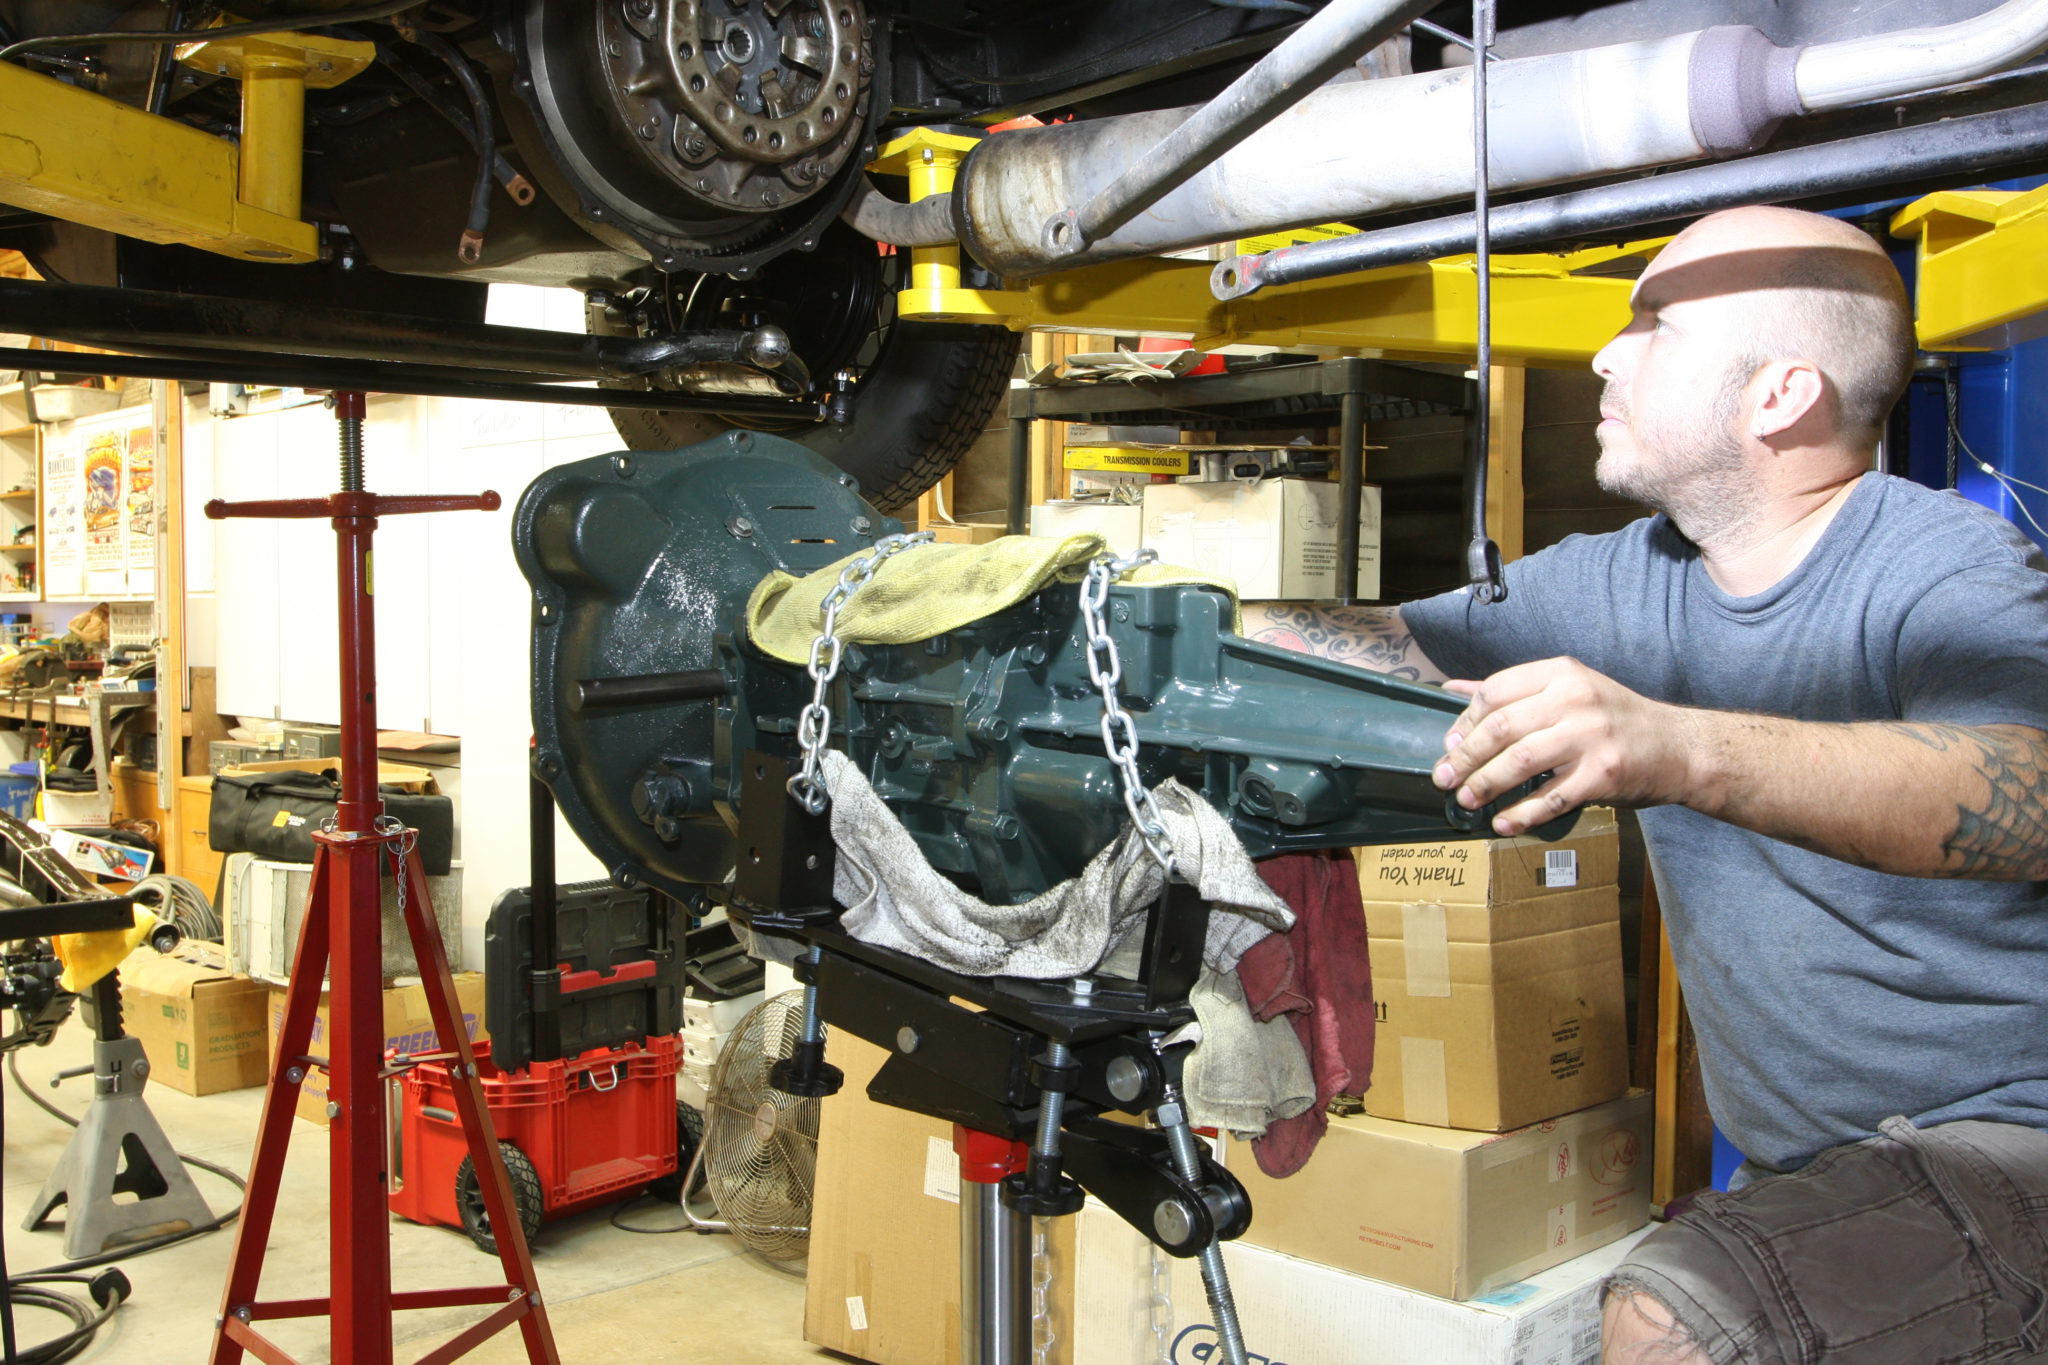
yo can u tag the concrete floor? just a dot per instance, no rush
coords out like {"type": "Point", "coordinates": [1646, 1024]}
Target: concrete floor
{"type": "Point", "coordinates": [611, 1295]}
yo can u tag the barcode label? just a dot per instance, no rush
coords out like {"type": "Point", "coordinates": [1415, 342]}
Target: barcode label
{"type": "Point", "coordinates": [1561, 867]}
{"type": "Point", "coordinates": [857, 1314]}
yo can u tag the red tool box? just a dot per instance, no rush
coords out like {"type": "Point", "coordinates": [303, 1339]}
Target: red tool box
{"type": "Point", "coordinates": [587, 1130]}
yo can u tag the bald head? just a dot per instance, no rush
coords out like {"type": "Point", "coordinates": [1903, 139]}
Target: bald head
{"type": "Point", "coordinates": [1803, 287]}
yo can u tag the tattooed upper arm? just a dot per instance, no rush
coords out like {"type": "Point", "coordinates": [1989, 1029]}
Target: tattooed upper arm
{"type": "Point", "coordinates": [2001, 829]}
{"type": "Point", "coordinates": [1367, 637]}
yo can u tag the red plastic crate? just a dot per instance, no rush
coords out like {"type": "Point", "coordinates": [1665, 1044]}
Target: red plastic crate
{"type": "Point", "coordinates": [596, 1128]}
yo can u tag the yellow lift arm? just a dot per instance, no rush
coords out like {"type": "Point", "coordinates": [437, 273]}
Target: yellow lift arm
{"type": "Point", "coordinates": [83, 157]}
{"type": "Point", "coordinates": [1983, 262]}
{"type": "Point", "coordinates": [1543, 311]}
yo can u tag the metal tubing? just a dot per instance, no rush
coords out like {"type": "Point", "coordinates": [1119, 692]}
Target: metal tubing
{"type": "Point", "coordinates": [814, 1023]}
{"type": "Point", "coordinates": [1215, 1279]}
{"type": "Point", "coordinates": [543, 967]}
{"type": "Point", "coordinates": [926, 222]}
{"type": "Point", "coordinates": [650, 689]}
{"type": "Point", "coordinates": [1331, 39]}
{"type": "Point", "coordinates": [995, 1278]}
{"type": "Point", "coordinates": [135, 318]}
{"type": "Point", "coordinates": [1350, 489]}
{"type": "Point", "coordinates": [1482, 556]}
{"type": "Point", "coordinates": [1051, 1105]}
{"type": "Point", "coordinates": [357, 810]}
{"type": "Point", "coordinates": [357, 1198]}
{"type": "Point", "coordinates": [1020, 475]}
{"type": "Point", "coordinates": [1965, 145]}
{"type": "Point", "coordinates": [237, 367]}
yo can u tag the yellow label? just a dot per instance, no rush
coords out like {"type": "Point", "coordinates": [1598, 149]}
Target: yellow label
{"type": "Point", "coordinates": [1273, 241]}
{"type": "Point", "coordinates": [369, 574]}
{"type": "Point", "coordinates": [1126, 460]}
{"type": "Point", "coordinates": [280, 820]}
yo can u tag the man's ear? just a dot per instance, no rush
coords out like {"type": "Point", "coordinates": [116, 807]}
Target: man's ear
{"type": "Point", "coordinates": [1784, 392]}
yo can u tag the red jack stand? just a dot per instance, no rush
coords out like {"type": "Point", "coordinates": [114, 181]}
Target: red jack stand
{"type": "Point", "coordinates": [344, 919]}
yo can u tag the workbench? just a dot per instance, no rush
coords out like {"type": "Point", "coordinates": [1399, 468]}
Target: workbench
{"type": "Point", "coordinates": [1352, 390]}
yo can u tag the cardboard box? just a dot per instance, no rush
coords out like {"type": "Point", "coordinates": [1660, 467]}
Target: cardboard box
{"type": "Point", "coordinates": [1497, 976]}
{"type": "Point", "coordinates": [101, 857]}
{"type": "Point", "coordinates": [408, 1027]}
{"type": "Point", "coordinates": [1277, 538]}
{"type": "Point", "coordinates": [1488, 872]}
{"type": "Point", "coordinates": [1118, 523]}
{"type": "Point", "coordinates": [201, 1026]}
{"type": "Point", "coordinates": [1306, 1314]}
{"type": "Point", "coordinates": [1456, 1213]}
{"type": "Point", "coordinates": [1126, 459]}
{"type": "Point", "coordinates": [883, 1283]}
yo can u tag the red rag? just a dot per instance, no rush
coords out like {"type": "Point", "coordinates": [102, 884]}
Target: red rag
{"type": "Point", "coordinates": [1318, 974]}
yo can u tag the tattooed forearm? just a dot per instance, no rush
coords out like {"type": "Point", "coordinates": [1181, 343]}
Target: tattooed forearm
{"type": "Point", "coordinates": [1365, 637]}
{"type": "Point", "coordinates": [1913, 798]}
{"type": "Point", "coordinates": [2001, 830]}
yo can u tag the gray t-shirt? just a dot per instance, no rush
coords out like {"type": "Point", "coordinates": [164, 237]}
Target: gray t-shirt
{"type": "Point", "coordinates": [1826, 997]}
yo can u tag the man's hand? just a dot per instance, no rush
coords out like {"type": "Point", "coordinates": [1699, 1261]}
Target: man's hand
{"type": "Point", "coordinates": [1600, 741]}
{"type": "Point", "coordinates": [1909, 797]}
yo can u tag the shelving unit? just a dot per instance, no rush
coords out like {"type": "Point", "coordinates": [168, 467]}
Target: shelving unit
{"type": "Point", "coordinates": [1352, 391]}
{"type": "Point", "coordinates": [21, 566]}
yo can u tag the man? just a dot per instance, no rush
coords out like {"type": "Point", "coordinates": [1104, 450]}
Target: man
{"type": "Point", "coordinates": [1827, 690]}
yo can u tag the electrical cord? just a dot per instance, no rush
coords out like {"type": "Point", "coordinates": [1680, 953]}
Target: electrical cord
{"type": "Point", "coordinates": [1956, 443]}
{"type": "Point", "coordinates": [181, 902]}
{"type": "Point", "coordinates": [618, 1212]}
{"type": "Point", "coordinates": [360, 14]}
{"type": "Point", "coordinates": [109, 1289]}
{"type": "Point", "coordinates": [517, 186]}
{"type": "Point", "coordinates": [483, 132]}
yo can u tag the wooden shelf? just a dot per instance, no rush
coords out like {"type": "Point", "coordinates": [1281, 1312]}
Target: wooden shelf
{"type": "Point", "coordinates": [26, 546]}
{"type": "Point", "coordinates": [28, 493]}
{"type": "Point", "coordinates": [27, 595]}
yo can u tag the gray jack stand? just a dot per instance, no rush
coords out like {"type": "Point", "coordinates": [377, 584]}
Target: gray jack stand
{"type": "Point", "coordinates": [117, 1150]}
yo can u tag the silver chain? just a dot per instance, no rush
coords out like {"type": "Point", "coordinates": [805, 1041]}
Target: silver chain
{"type": "Point", "coordinates": [407, 839]}
{"type": "Point", "coordinates": [814, 723]}
{"type": "Point", "coordinates": [1159, 1310]}
{"type": "Point", "coordinates": [1043, 1337]}
{"type": "Point", "coordinates": [1119, 731]}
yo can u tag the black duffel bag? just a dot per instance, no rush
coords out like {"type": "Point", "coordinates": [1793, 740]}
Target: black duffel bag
{"type": "Point", "coordinates": [274, 816]}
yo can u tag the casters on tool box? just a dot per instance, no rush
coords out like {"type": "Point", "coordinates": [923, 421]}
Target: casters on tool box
{"type": "Point", "coordinates": [526, 1198]}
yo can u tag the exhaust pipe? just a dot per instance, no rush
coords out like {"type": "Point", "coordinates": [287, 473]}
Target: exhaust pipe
{"type": "Point", "coordinates": [1360, 148]}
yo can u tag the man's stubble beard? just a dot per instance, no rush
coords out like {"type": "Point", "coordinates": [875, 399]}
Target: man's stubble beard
{"type": "Point", "coordinates": [1697, 476]}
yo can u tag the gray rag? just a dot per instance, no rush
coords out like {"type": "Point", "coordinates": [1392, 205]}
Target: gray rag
{"type": "Point", "coordinates": [1064, 932]}
{"type": "Point", "coordinates": [1247, 1073]}
{"type": "Point", "coordinates": [1242, 1076]}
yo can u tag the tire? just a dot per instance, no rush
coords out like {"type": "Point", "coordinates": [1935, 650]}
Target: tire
{"type": "Point", "coordinates": [689, 1136]}
{"type": "Point", "coordinates": [915, 414]}
{"type": "Point", "coordinates": [526, 1198]}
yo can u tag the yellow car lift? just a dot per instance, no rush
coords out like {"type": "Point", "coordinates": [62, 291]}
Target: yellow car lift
{"type": "Point", "coordinates": [1544, 312]}
{"type": "Point", "coordinates": [1983, 262]}
{"type": "Point", "coordinates": [83, 157]}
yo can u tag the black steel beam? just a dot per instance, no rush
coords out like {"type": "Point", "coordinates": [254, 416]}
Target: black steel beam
{"type": "Point", "coordinates": [238, 367]}
{"type": "Point", "coordinates": [138, 319]}
{"type": "Point", "coordinates": [1376, 380]}
{"type": "Point", "coordinates": [67, 917]}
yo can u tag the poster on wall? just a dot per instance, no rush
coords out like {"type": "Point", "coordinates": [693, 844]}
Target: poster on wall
{"type": "Point", "coordinates": [141, 510]}
{"type": "Point", "coordinates": [103, 547]}
{"type": "Point", "coordinates": [64, 516]}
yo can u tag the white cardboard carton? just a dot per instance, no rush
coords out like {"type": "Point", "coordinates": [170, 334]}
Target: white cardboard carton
{"type": "Point", "coordinates": [1298, 1313]}
{"type": "Point", "coordinates": [1277, 538]}
{"type": "Point", "coordinates": [1118, 523]}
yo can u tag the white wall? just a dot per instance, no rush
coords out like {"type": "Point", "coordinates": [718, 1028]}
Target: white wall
{"type": "Point", "coordinates": [452, 608]}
